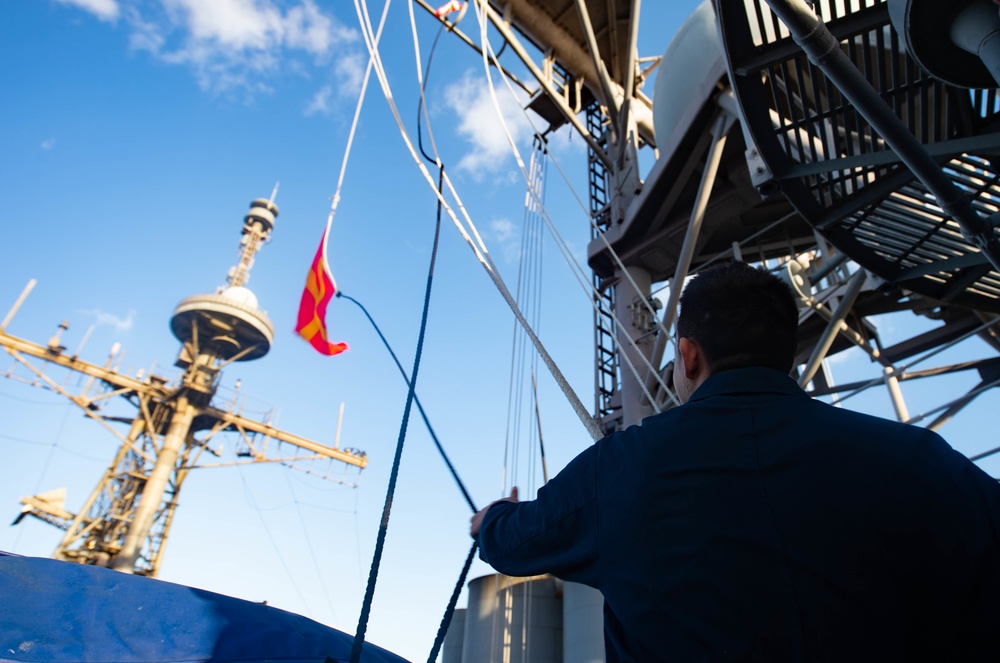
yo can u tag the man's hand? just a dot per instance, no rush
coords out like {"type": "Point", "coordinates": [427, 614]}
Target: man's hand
{"type": "Point", "coordinates": [477, 519]}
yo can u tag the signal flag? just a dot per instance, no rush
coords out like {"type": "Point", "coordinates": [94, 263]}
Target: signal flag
{"type": "Point", "coordinates": [320, 288]}
{"type": "Point", "coordinates": [450, 7]}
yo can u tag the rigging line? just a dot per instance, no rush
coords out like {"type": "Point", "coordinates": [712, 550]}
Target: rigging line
{"type": "Point", "coordinates": [421, 108]}
{"type": "Point", "coordinates": [45, 467]}
{"type": "Point", "coordinates": [969, 396]}
{"type": "Point", "coordinates": [61, 448]}
{"type": "Point", "coordinates": [535, 256]}
{"type": "Point", "coordinates": [492, 271]}
{"type": "Point", "coordinates": [416, 400]}
{"type": "Point", "coordinates": [357, 541]}
{"type": "Point", "coordinates": [422, 82]}
{"type": "Point", "coordinates": [312, 550]}
{"type": "Point", "coordinates": [575, 267]}
{"type": "Point", "coordinates": [897, 372]}
{"type": "Point", "coordinates": [354, 124]}
{"type": "Point", "coordinates": [528, 295]}
{"type": "Point", "coordinates": [598, 232]}
{"type": "Point", "coordinates": [585, 418]}
{"type": "Point", "coordinates": [567, 254]}
{"type": "Point", "coordinates": [248, 495]}
{"type": "Point", "coordinates": [31, 400]}
{"type": "Point", "coordinates": [359, 637]}
{"type": "Point", "coordinates": [450, 610]}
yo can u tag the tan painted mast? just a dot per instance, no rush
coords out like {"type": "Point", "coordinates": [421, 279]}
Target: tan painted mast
{"type": "Point", "coordinates": [126, 520]}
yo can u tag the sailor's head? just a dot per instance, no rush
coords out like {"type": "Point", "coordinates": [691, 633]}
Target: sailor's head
{"type": "Point", "coordinates": [733, 316]}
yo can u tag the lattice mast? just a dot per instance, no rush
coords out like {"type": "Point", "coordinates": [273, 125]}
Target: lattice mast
{"type": "Point", "coordinates": [125, 522]}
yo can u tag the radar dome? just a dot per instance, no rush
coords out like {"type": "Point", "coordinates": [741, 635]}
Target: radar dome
{"type": "Point", "coordinates": [240, 295]}
{"type": "Point", "coordinates": [692, 65]}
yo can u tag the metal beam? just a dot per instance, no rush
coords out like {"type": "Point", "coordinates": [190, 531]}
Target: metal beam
{"type": "Point", "coordinates": [519, 49]}
{"type": "Point", "coordinates": [719, 134]}
{"type": "Point", "coordinates": [632, 53]}
{"type": "Point", "coordinates": [539, 27]}
{"type": "Point", "coordinates": [602, 72]}
{"type": "Point", "coordinates": [14, 345]}
{"type": "Point", "coordinates": [452, 28]}
{"type": "Point", "coordinates": [833, 328]}
{"type": "Point", "coordinates": [238, 421]}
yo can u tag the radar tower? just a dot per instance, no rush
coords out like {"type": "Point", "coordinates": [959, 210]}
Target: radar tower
{"type": "Point", "coordinates": [126, 520]}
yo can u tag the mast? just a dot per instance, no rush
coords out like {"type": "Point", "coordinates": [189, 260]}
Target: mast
{"type": "Point", "coordinates": [125, 522]}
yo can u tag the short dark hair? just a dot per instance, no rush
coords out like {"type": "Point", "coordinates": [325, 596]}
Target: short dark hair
{"type": "Point", "coordinates": [740, 316]}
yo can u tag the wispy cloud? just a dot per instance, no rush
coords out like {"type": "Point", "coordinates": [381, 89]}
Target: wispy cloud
{"type": "Point", "coordinates": [350, 71]}
{"type": "Point", "coordinates": [478, 124]}
{"type": "Point", "coordinates": [507, 237]}
{"type": "Point", "coordinates": [234, 45]}
{"type": "Point", "coordinates": [118, 323]}
{"type": "Point", "coordinates": [106, 10]}
{"type": "Point", "coordinates": [48, 144]}
{"type": "Point", "coordinates": [320, 103]}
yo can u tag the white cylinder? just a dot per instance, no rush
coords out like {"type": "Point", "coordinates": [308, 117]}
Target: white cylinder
{"type": "Point", "coordinates": [583, 624]}
{"type": "Point", "coordinates": [513, 620]}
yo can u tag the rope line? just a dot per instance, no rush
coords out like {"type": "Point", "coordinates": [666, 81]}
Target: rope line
{"type": "Point", "coordinates": [598, 232]}
{"type": "Point", "coordinates": [416, 400]}
{"type": "Point", "coordinates": [248, 496]}
{"type": "Point", "coordinates": [335, 201]}
{"type": "Point", "coordinates": [450, 610]}
{"type": "Point", "coordinates": [312, 550]}
{"type": "Point", "coordinates": [359, 637]}
{"type": "Point", "coordinates": [483, 257]}
{"type": "Point", "coordinates": [564, 248]}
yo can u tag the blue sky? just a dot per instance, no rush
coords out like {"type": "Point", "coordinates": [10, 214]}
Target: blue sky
{"type": "Point", "coordinates": [136, 132]}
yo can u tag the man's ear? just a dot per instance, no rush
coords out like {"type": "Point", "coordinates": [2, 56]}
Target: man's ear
{"type": "Point", "coordinates": [693, 359]}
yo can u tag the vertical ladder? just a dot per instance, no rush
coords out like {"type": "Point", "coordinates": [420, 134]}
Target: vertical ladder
{"type": "Point", "coordinates": [606, 374]}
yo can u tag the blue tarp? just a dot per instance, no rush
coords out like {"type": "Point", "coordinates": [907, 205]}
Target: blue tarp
{"type": "Point", "coordinates": [58, 611]}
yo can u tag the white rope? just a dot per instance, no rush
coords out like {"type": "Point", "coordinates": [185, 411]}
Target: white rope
{"type": "Point", "coordinates": [529, 291]}
{"type": "Point", "coordinates": [362, 9]}
{"type": "Point", "coordinates": [561, 243]}
{"type": "Point", "coordinates": [335, 201]}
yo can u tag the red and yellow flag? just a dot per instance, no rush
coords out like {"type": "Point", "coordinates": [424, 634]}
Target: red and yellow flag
{"type": "Point", "coordinates": [320, 288]}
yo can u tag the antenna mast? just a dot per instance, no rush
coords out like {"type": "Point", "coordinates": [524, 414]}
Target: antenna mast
{"type": "Point", "coordinates": [125, 522]}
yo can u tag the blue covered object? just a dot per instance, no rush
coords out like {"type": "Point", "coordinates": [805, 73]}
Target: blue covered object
{"type": "Point", "coordinates": [58, 611]}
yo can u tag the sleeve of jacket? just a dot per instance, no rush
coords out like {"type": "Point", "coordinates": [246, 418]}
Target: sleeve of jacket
{"type": "Point", "coordinates": [555, 533]}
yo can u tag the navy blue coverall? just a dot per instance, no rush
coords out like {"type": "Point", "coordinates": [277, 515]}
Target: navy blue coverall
{"type": "Point", "coordinates": [755, 523]}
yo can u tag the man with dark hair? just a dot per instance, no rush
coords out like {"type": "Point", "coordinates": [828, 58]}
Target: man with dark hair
{"type": "Point", "coordinates": [754, 523]}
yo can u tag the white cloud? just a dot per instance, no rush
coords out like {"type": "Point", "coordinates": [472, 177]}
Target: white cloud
{"type": "Point", "coordinates": [48, 144]}
{"type": "Point", "coordinates": [503, 229]}
{"type": "Point", "coordinates": [350, 71]}
{"type": "Point", "coordinates": [506, 235]}
{"type": "Point", "coordinates": [479, 125]}
{"type": "Point", "coordinates": [146, 35]}
{"type": "Point", "coordinates": [118, 323]}
{"type": "Point", "coordinates": [320, 102]}
{"type": "Point", "coordinates": [235, 44]}
{"type": "Point", "coordinates": [106, 10]}
{"type": "Point", "coordinates": [309, 29]}
{"type": "Point", "coordinates": [233, 24]}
